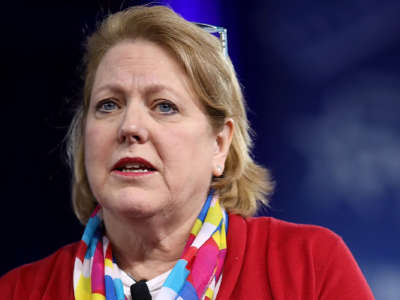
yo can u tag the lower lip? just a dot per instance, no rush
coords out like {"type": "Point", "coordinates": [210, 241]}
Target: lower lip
{"type": "Point", "coordinates": [132, 174]}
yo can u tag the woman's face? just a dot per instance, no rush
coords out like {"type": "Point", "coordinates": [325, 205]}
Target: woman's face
{"type": "Point", "coordinates": [149, 148]}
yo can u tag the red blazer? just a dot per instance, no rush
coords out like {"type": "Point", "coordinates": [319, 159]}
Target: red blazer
{"type": "Point", "coordinates": [267, 259]}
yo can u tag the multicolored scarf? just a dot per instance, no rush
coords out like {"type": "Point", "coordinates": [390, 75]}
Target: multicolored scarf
{"type": "Point", "coordinates": [195, 275]}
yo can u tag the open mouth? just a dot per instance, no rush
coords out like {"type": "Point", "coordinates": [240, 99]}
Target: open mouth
{"type": "Point", "coordinates": [135, 168]}
{"type": "Point", "coordinates": [133, 165]}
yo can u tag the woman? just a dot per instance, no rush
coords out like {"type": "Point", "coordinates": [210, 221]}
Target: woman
{"type": "Point", "coordinates": [165, 184]}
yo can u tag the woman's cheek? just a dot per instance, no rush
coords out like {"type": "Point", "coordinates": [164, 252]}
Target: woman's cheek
{"type": "Point", "coordinates": [96, 148]}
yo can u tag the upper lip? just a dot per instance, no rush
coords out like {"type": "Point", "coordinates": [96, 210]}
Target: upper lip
{"type": "Point", "coordinates": [133, 160]}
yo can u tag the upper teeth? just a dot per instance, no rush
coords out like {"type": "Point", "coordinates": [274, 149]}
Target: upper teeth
{"type": "Point", "coordinates": [135, 170]}
{"type": "Point", "coordinates": [134, 167]}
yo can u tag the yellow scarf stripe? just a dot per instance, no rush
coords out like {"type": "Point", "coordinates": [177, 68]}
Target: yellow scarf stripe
{"type": "Point", "coordinates": [108, 263]}
{"type": "Point", "coordinates": [209, 293]}
{"type": "Point", "coordinates": [196, 227]}
{"type": "Point", "coordinates": [214, 215]}
{"type": "Point", "coordinates": [84, 289]}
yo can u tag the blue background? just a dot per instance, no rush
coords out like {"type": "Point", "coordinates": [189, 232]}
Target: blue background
{"type": "Point", "coordinates": [322, 81]}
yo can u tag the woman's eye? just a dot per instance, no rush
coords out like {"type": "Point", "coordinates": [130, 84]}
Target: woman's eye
{"type": "Point", "coordinates": [166, 108]}
{"type": "Point", "coordinates": [106, 106]}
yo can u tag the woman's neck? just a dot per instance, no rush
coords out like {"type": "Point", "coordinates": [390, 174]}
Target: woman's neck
{"type": "Point", "coordinates": [149, 247]}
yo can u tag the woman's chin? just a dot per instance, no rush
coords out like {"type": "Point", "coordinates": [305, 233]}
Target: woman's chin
{"type": "Point", "coordinates": [138, 206]}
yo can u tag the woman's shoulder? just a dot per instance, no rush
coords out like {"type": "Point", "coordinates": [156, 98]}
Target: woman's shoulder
{"type": "Point", "coordinates": [277, 229]}
{"type": "Point", "coordinates": [313, 258]}
{"type": "Point", "coordinates": [288, 231]}
{"type": "Point", "coordinates": [40, 276]}
{"type": "Point", "coordinates": [280, 237]}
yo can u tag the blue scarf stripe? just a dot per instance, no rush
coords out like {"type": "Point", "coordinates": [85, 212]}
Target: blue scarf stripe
{"type": "Point", "coordinates": [92, 246]}
{"type": "Point", "coordinates": [206, 206]}
{"type": "Point", "coordinates": [177, 277]}
{"type": "Point", "coordinates": [90, 229]}
{"type": "Point", "coordinates": [188, 292]}
{"type": "Point", "coordinates": [110, 290]}
{"type": "Point", "coordinates": [119, 288]}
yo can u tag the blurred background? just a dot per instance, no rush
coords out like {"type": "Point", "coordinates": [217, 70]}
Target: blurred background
{"type": "Point", "coordinates": [322, 82]}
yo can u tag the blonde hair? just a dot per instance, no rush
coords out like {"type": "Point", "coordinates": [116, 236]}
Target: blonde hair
{"type": "Point", "coordinates": [214, 81]}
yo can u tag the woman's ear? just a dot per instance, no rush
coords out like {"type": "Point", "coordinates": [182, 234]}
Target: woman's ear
{"type": "Point", "coordinates": [222, 144]}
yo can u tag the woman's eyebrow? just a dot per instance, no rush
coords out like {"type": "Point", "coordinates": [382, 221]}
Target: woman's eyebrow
{"type": "Point", "coordinates": [113, 87]}
{"type": "Point", "coordinates": [145, 91]}
{"type": "Point", "coordinates": [155, 88]}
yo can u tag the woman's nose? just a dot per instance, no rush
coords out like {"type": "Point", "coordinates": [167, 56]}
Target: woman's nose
{"type": "Point", "coordinates": [132, 129]}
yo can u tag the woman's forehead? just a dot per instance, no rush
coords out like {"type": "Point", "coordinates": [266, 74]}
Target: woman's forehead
{"type": "Point", "coordinates": [140, 63]}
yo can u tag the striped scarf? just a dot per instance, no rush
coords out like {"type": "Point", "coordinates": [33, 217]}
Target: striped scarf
{"type": "Point", "coordinates": [195, 275]}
